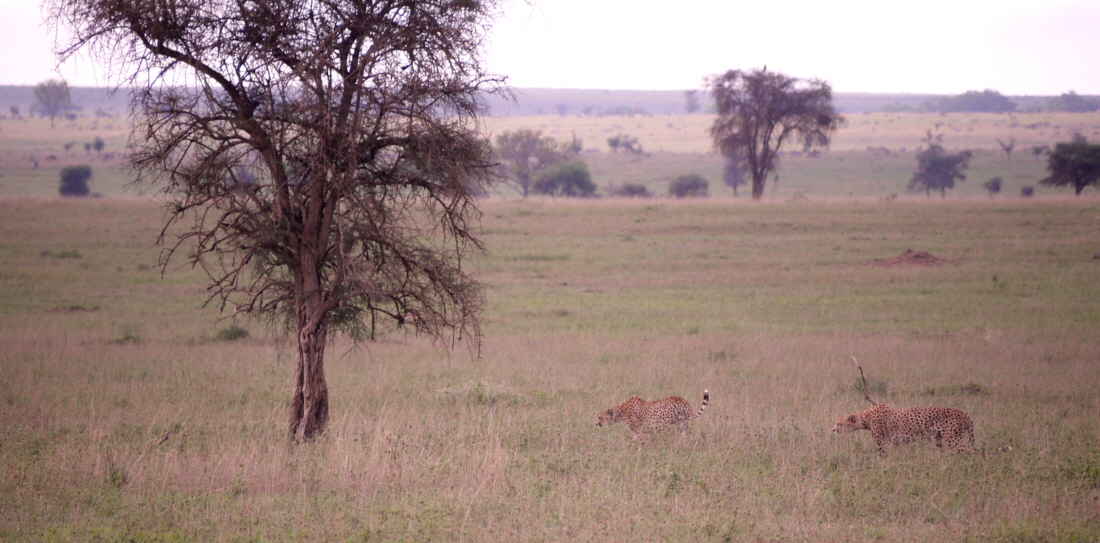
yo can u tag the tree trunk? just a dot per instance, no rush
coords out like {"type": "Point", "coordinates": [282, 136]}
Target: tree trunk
{"type": "Point", "coordinates": [309, 407]}
{"type": "Point", "coordinates": [758, 182]}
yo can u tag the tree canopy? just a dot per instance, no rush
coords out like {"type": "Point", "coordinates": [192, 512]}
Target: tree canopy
{"type": "Point", "coordinates": [1072, 102]}
{"type": "Point", "coordinates": [937, 169]}
{"type": "Point", "coordinates": [524, 153]}
{"type": "Point", "coordinates": [74, 180]}
{"type": "Point", "coordinates": [1075, 163]}
{"type": "Point", "coordinates": [691, 185]}
{"type": "Point", "coordinates": [52, 97]}
{"type": "Point", "coordinates": [569, 178]}
{"type": "Point", "coordinates": [987, 101]}
{"type": "Point", "coordinates": [760, 111]}
{"type": "Point", "coordinates": [325, 152]}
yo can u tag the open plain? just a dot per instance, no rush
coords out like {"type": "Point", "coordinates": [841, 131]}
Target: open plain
{"type": "Point", "coordinates": [128, 414]}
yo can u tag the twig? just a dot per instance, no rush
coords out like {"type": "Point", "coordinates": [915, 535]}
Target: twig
{"type": "Point", "coordinates": [866, 391]}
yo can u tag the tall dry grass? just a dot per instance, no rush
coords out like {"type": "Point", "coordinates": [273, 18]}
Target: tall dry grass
{"type": "Point", "coordinates": [590, 302]}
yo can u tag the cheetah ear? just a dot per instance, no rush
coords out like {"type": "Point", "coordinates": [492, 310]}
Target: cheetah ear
{"type": "Point", "coordinates": [851, 418]}
{"type": "Point", "coordinates": [611, 412]}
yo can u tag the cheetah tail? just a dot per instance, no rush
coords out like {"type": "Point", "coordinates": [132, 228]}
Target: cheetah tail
{"type": "Point", "coordinates": [706, 401]}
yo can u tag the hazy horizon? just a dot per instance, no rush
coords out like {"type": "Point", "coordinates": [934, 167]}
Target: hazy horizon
{"type": "Point", "coordinates": [1016, 47]}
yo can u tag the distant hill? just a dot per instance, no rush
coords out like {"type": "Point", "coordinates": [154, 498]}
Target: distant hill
{"type": "Point", "coordinates": [616, 102]}
{"type": "Point", "coordinates": [94, 100]}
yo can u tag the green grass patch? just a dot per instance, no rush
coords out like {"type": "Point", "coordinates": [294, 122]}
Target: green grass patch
{"type": "Point", "coordinates": [126, 415]}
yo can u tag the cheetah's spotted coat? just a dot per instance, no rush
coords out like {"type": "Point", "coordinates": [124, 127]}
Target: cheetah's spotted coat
{"type": "Point", "coordinates": [901, 425]}
{"type": "Point", "coordinates": [642, 416]}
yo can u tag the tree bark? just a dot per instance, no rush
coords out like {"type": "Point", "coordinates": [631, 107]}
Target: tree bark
{"type": "Point", "coordinates": [758, 185]}
{"type": "Point", "coordinates": [309, 406]}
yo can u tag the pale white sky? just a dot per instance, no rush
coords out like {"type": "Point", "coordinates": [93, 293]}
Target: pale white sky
{"type": "Point", "coordinates": [932, 46]}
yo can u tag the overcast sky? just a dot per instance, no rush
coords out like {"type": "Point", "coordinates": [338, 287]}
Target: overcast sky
{"type": "Point", "coordinates": [933, 46]}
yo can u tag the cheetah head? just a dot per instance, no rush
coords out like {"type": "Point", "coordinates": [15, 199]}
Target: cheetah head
{"type": "Point", "coordinates": [606, 418]}
{"type": "Point", "coordinates": [851, 423]}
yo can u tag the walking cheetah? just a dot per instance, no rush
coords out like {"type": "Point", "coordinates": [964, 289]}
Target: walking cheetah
{"type": "Point", "coordinates": [902, 425]}
{"type": "Point", "coordinates": [641, 416]}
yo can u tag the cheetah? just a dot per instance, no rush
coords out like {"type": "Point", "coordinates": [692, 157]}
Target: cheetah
{"type": "Point", "coordinates": [642, 416]}
{"type": "Point", "coordinates": [942, 424]}
{"type": "Point", "coordinates": [902, 425]}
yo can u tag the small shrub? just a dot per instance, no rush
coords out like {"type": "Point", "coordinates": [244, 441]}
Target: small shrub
{"type": "Point", "coordinates": [62, 254]}
{"type": "Point", "coordinates": [74, 180]}
{"type": "Point", "coordinates": [691, 184]}
{"type": "Point", "coordinates": [570, 178]}
{"type": "Point", "coordinates": [630, 190]}
{"type": "Point", "coordinates": [127, 337]}
{"type": "Point", "coordinates": [233, 333]}
{"type": "Point", "coordinates": [1027, 192]}
{"type": "Point", "coordinates": [993, 185]}
{"type": "Point", "coordinates": [878, 389]}
{"type": "Point", "coordinates": [116, 475]}
{"type": "Point", "coordinates": [972, 389]}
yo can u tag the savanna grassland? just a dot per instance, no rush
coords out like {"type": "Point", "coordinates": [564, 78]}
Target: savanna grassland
{"type": "Point", "coordinates": [589, 302]}
{"type": "Point", "coordinates": [873, 156]}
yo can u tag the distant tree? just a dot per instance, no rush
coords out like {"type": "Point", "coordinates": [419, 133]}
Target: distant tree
{"type": "Point", "coordinates": [987, 101]}
{"type": "Point", "coordinates": [1008, 146]}
{"type": "Point", "coordinates": [1075, 163]}
{"type": "Point", "coordinates": [74, 180]}
{"type": "Point", "coordinates": [691, 101]}
{"type": "Point", "coordinates": [14, 111]}
{"type": "Point", "coordinates": [358, 120]}
{"type": "Point", "coordinates": [87, 148]}
{"type": "Point", "coordinates": [630, 190]}
{"type": "Point", "coordinates": [573, 147]}
{"type": "Point", "coordinates": [626, 143]}
{"type": "Point", "coordinates": [52, 97]}
{"type": "Point", "coordinates": [524, 152]}
{"type": "Point", "coordinates": [1038, 151]}
{"type": "Point", "coordinates": [570, 178]}
{"type": "Point", "coordinates": [993, 185]}
{"type": "Point", "coordinates": [689, 185]}
{"type": "Point", "coordinates": [1071, 102]}
{"type": "Point", "coordinates": [937, 169]}
{"type": "Point", "coordinates": [613, 143]}
{"type": "Point", "coordinates": [1027, 191]}
{"type": "Point", "coordinates": [759, 111]}
{"type": "Point", "coordinates": [98, 144]}
{"type": "Point", "coordinates": [733, 173]}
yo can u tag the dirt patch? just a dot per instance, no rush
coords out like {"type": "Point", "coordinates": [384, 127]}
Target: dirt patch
{"type": "Point", "coordinates": [909, 258]}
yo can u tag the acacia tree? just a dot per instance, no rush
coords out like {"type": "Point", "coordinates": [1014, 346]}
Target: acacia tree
{"type": "Point", "coordinates": [52, 97]}
{"type": "Point", "coordinates": [937, 169]}
{"type": "Point", "coordinates": [524, 153]}
{"type": "Point", "coordinates": [324, 151]}
{"type": "Point", "coordinates": [1075, 163]}
{"type": "Point", "coordinates": [759, 111]}
{"type": "Point", "coordinates": [1008, 146]}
